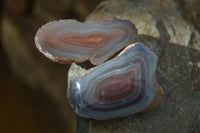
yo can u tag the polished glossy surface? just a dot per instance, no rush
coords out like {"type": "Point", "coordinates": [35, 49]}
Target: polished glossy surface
{"type": "Point", "coordinates": [120, 87]}
{"type": "Point", "coordinates": [68, 41]}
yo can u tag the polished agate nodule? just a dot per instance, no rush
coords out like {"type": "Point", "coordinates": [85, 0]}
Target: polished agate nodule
{"type": "Point", "coordinates": [68, 41]}
{"type": "Point", "coordinates": [120, 87]}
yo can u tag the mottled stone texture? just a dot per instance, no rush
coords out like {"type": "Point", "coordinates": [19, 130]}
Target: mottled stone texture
{"type": "Point", "coordinates": [176, 41]}
{"type": "Point", "coordinates": [178, 65]}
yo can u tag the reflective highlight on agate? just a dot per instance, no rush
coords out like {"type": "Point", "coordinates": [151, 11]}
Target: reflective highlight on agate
{"type": "Point", "coordinates": [120, 87]}
{"type": "Point", "coordinates": [68, 41]}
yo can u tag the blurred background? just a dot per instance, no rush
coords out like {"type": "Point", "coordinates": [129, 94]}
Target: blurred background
{"type": "Point", "coordinates": [33, 88]}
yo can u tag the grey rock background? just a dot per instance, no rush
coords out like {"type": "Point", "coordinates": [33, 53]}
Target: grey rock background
{"type": "Point", "coordinates": [170, 28]}
{"type": "Point", "coordinates": [167, 29]}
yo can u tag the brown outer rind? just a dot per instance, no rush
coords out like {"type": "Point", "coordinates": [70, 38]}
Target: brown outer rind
{"type": "Point", "coordinates": [157, 99]}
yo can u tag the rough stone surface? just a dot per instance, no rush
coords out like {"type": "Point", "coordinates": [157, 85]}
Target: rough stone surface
{"type": "Point", "coordinates": [163, 29]}
{"type": "Point", "coordinates": [178, 67]}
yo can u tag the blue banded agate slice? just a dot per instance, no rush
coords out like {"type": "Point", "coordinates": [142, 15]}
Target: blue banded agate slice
{"type": "Point", "coordinates": [120, 87]}
{"type": "Point", "coordinates": [68, 41]}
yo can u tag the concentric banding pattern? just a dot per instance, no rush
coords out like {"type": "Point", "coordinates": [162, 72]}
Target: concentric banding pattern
{"type": "Point", "coordinates": [67, 41]}
{"type": "Point", "coordinates": [119, 87]}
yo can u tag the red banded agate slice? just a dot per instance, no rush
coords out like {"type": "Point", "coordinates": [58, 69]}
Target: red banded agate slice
{"type": "Point", "coordinates": [120, 87]}
{"type": "Point", "coordinates": [68, 41]}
